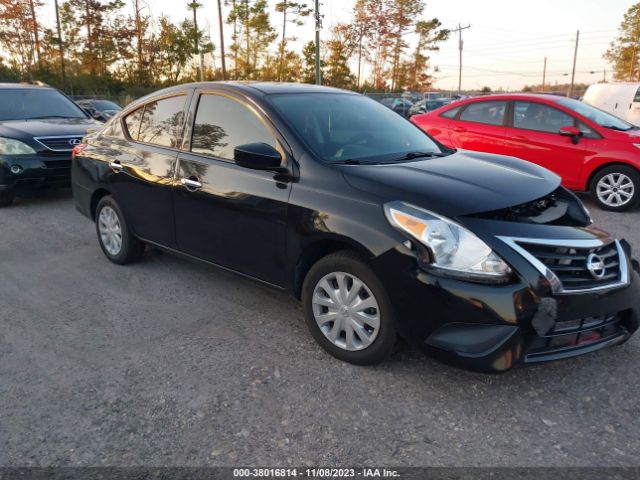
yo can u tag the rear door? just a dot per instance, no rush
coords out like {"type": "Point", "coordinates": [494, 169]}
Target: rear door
{"type": "Point", "coordinates": [534, 136]}
{"type": "Point", "coordinates": [143, 169]}
{"type": "Point", "coordinates": [480, 127]}
{"type": "Point", "coordinates": [226, 214]}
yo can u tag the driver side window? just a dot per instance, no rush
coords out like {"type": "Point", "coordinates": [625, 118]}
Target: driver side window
{"type": "Point", "coordinates": [221, 124]}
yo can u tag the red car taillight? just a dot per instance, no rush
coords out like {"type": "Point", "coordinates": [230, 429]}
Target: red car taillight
{"type": "Point", "coordinates": [77, 149]}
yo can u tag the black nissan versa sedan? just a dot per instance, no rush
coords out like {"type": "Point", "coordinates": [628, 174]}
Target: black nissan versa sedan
{"type": "Point", "coordinates": [481, 260]}
{"type": "Point", "coordinates": [39, 126]}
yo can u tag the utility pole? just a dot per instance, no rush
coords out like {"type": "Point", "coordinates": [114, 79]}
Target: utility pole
{"type": "Point", "coordinates": [575, 58]}
{"type": "Point", "coordinates": [460, 46]}
{"type": "Point", "coordinates": [224, 65]}
{"type": "Point", "coordinates": [544, 73]}
{"type": "Point", "coordinates": [604, 75]}
{"type": "Point", "coordinates": [318, 27]}
{"type": "Point", "coordinates": [194, 6]}
{"type": "Point", "coordinates": [36, 35]}
{"type": "Point", "coordinates": [60, 46]}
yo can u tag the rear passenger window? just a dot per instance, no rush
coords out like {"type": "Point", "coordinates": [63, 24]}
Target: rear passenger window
{"type": "Point", "coordinates": [162, 122]}
{"type": "Point", "coordinates": [450, 113]}
{"type": "Point", "coordinates": [539, 117]}
{"type": "Point", "coordinates": [491, 113]}
{"type": "Point", "coordinates": [132, 123]}
{"type": "Point", "coordinates": [222, 124]}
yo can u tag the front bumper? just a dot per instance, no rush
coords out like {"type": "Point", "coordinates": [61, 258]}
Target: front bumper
{"type": "Point", "coordinates": [493, 328]}
{"type": "Point", "coordinates": [35, 171]}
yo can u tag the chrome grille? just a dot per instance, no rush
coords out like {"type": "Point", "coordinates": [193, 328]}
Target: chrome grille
{"type": "Point", "coordinates": [575, 265]}
{"type": "Point", "coordinates": [60, 143]}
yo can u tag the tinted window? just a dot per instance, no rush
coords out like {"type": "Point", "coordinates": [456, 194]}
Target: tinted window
{"type": "Point", "coordinates": [106, 105]}
{"type": "Point", "coordinates": [132, 122]}
{"type": "Point", "coordinates": [450, 113]}
{"type": "Point", "coordinates": [30, 103]}
{"type": "Point", "coordinates": [222, 124]}
{"type": "Point", "coordinates": [340, 126]}
{"type": "Point", "coordinates": [539, 117]}
{"type": "Point", "coordinates": [162, 122]}
{"type": "Point", "coordinates": [491, 113]}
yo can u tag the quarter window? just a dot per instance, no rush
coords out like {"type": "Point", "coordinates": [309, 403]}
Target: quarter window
{"type": "Point", "coordinates": [490, 113]}
{"type": "Point", "coordinates": [222, 124]}
{"type": "Point", "coordinates": [450, 113]}
{"type": "Point", "coordinates": [539, 117]}
{"type": "Point", "coordinates": [162, 122]}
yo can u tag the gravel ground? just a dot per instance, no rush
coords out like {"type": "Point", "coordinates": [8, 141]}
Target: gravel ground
{"type": "Point", "coordinates": [168, 362]}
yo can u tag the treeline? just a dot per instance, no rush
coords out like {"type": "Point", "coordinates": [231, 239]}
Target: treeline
{"type": "Point", "coordinates": [100, 45]}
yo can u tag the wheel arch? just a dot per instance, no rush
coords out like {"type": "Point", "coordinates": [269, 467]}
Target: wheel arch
{"type": "Point", "coordinates": [96, 196]}
{"type": "Point", "coordinates": [318, 249]}
{"type": "Point", "coordinates": [601, 167]}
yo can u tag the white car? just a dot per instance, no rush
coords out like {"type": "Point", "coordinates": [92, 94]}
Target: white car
{"type": "Point", "coordinates": [619, 99]}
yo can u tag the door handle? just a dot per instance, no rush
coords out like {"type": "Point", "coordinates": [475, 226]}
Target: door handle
{"type": "Point", "coordinates": [519, 138]}
{"type": "Point", "coordinates": [459, 129]}
{"type": "Point", "coordinates": [191, 183]}
{"type": "Point", "coordinates": [116, 165]}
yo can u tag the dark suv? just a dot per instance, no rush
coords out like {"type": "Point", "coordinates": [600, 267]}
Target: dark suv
{"type": "Point", "coordinates": [39, 126]}
{"type": "Point", "coordinates": [481, 260]}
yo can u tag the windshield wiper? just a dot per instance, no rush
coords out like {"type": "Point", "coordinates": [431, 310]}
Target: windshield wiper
{"type": "Point", "coordinates": [349, 161]}
{"type": "Point", "coordinates": [414, 155]}
{"type": "Point", "coordinates": [613, 127]}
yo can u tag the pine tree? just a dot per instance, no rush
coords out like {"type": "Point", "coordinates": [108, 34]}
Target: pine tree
{"type": "Point", "coordinates": [624, 51]}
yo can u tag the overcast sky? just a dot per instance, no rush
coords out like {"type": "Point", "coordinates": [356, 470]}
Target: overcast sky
{"type": "Point", "coordinates": [505, 46]}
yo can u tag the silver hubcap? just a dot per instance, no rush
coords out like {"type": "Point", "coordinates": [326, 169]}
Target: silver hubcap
{"type": "Point", "coordinates": [346, 311]}
{"type": "Point", "coordinates": [615, 189]}
{"type": "Point", "coordinates": [110, 230]}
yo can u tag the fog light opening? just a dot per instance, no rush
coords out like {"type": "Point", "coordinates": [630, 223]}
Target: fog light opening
{"type": "Point", "coordinates": [16, 169]}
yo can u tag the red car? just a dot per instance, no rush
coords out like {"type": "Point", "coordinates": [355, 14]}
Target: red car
{"type": "Point", "coordinates": [590, 149]}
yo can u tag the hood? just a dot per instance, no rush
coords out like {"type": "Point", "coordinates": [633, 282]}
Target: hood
{"type": "Point", "coordinates": [632, 135]}
{"type": "Point", "coordinates": [46, 127]}
{"type": "Point", "coordinates": [463, 183]}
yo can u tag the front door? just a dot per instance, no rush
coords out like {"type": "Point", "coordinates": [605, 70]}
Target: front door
{"type": "Point", "coordinates": [535, 137]}
{"type": "Point", "coordinates": [227, 214]}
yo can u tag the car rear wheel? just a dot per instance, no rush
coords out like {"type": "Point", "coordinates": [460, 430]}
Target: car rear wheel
{"type": "Point", "coordinates": [616, 188]}
{"type": "Point", "coordinates": [6, 198]}
{"type": "Point", "coordinates": [348, 310]}
{"type": "Point", "coordinates": [114, 236]}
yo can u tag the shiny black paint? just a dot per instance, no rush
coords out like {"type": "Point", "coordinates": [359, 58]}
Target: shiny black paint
{"type": "Point", "coordinates": [273, 226]}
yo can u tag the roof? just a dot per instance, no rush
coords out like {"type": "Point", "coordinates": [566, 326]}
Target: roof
{"type": "Point", "coordinates": [273, 87]}
{"type": "Point", "coordinates": [512, 96]}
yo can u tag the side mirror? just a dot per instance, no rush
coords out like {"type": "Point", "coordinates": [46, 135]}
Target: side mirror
{"type": "Point", "coordinates": [571, 131]}
{"type": "Point", "coordinates": [257, 156]}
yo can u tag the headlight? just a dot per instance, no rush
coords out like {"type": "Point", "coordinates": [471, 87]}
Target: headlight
{"type": "Point", "coordinates": [9, 146]}
{"type": "Point", "coordinates": [453, 248]}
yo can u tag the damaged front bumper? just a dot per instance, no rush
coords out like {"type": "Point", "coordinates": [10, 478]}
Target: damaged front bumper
{"type": "Point", "coordinates": [535, 317]}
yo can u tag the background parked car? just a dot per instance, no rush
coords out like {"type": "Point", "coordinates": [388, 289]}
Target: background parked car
{"type": "Point", "coordinates": [39, 126]}
{"type": "Point", "coordinates": [424, 106]}
{"type": "Point", "coordinates": [399, 105]}
{"type": "Point", "coordinates": [589, 148]}
{"type": "Point", "coordinates": [101, 110]}
{"type": "Point", "coordinates": [619, 99]}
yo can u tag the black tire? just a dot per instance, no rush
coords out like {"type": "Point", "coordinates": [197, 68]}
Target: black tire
{"type": "Point", "coordinates": [131, 248]}
{"type": "Point", "coordinates": [629, 172]}
{"type": "Point", "coordinates": [353, 264]}
{"type": "Point", "coordinates": [6, 199]}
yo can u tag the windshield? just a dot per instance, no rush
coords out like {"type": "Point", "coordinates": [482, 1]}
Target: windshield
{"type": "Point", "coordinates": [105, 105]}
{"type": "Point", "coordinates": [339, 127]}
{"type": "Point", "coordinates": [596, 115]}
{"type": "Point", "coordinates": [31, 103]}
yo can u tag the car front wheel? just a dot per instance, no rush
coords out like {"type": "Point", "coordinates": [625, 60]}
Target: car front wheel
{"type": "Point", "coordinates": [114, 236]}
{"type": "Point", "coordinates": [616, 188]}
{"type": "Point", "coordinates": [348, 310]}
